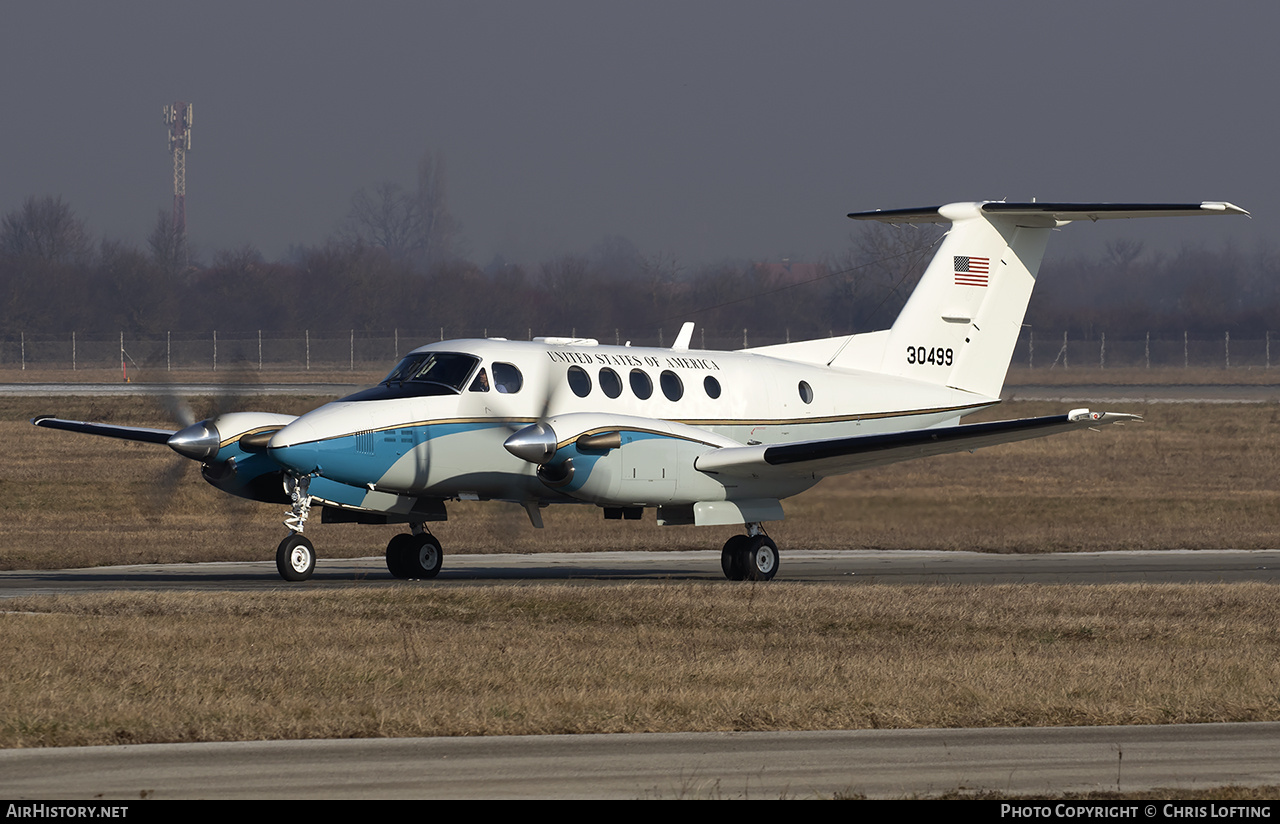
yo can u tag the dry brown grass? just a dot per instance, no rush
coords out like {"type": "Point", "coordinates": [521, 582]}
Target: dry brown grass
{"type": "Point", "coordinates": [364, 373]}
{"type": "Point", "coordinates": [1138, 376]}
{"type": "Point", "coordinates": [409, 661]}
{"type": "Point", "coordinates": [1192, 476]}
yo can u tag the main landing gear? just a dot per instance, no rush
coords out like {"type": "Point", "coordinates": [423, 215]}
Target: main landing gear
{"type": "Point", "coordinates": [750, 557]}
{"type": "Point", "coordinates": [415, 556]}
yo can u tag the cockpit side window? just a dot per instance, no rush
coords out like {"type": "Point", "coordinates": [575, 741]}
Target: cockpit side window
{"type": "Point", "coordinates": [507, 378]}
{"type": "Point", "coordinates": [450, 369]}
{"type": "Point", "coordinates": [481, 383]}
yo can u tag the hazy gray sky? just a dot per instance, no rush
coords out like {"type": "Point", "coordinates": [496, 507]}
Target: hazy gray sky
{"type": "Point", "coordinates": [700, 129]}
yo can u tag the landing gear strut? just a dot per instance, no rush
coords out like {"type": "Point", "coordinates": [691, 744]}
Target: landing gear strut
{"type": "Point", "coordinates": [296, 555]}
{"type": "Point", "coordinates": [750, 557]}
{"type": "Point", "coordinates": [414, 557]}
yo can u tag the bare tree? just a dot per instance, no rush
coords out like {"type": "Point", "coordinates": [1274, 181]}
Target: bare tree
{"type": "Point", "coordinates": [618, 258]}
{"type": "Point", "coordinates": [168, 246]}
{"type": "Point", "coordinates": [659, 275]}
{"type": "Point", "coordinates": [46, 229]}
{"type": "Point", "coordinates": [574, 294]}
{"type": "Point", "coordinates": [389, 219]}
{"type": "Point", "coordinates": [878, 274]}
{"type": "Point", "coordinates": [439, 232]}
{"type": "Point", "coordinates": [1122, 251]}
{"type": "Point", "coordinates": [130, 292]}
{"type": "Point", "coordinates": [411, 227]}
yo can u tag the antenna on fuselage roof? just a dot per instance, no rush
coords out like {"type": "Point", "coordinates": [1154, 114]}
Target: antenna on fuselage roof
{"type": "Point", "coordinates": [683, 339]}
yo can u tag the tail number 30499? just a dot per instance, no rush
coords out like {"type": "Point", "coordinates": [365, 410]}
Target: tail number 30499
{"type": "Point", "coordinates": [934, 356]}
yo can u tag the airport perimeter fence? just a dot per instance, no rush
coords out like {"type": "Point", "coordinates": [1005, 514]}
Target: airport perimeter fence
{"type": "Point", "coordinates": [364, 351]}
{"type": "Point", "coordinates": [321, 350]}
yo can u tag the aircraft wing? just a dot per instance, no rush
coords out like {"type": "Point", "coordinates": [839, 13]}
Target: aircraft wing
{"type": "Point", "coordinates": [836, 456]}
{"type": "Point", "coordinates": [106, 430]}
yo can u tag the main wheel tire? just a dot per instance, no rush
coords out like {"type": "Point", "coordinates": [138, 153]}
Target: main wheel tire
{"type": "Point", "coordinates": [761, 559]}
{"type": "Point", "coordinates": [296, 558]}
{"type": "Point", "coordinates": [423, 557]}
{"type": "Point", "coordinates": [733, 558]}
{"type": "Point", "coordinates": [399, 548]}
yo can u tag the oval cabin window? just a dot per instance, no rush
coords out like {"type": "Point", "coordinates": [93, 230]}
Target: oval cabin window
{"type": "Point", "coordinates": [672, 387]}
{"type": "Point", "coordinates": [610, 383]}
{"type": "Point", "coordinates": [579, 381]}
{"type": "Point", "coordinates": [641, 385]}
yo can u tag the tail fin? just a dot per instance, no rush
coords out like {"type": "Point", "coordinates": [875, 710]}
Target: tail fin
{"type": "Point", "coordinates": [959, 326]}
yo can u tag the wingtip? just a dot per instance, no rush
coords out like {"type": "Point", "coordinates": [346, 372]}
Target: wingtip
{"type": "Point", "coordinates": [1224, 206]}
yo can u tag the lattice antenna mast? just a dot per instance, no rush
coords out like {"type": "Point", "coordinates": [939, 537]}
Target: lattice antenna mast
{"type": "Point", "coordinates": [178, 118]}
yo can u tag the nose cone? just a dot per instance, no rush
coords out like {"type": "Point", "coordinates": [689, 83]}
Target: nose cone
{"type": "Point", "coordinates": [199, 441]}
{"type": "Point", "coordinates": [535, 444]}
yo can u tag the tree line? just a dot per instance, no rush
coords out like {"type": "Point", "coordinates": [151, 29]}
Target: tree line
{"type": "Point", "coordinates": [397, 261]}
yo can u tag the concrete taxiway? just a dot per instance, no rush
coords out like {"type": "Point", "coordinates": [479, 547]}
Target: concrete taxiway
{"type": "Point", "coordinates": [840, 567]}
{"type": "Point", "coordinates": [832, 764]}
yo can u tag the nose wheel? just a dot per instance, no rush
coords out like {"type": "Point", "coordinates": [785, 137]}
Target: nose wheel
{"type": "Point", "coordinates": [296, 558]}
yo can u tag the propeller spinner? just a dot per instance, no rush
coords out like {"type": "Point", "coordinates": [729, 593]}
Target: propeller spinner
{"type": "Point", "coordinates": [535, 443]}
{"type": "Point", "coordinates": [200, 441]}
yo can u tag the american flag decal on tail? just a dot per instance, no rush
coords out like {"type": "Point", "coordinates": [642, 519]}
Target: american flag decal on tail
{"type": "Point", "coordinates": [972, 271]}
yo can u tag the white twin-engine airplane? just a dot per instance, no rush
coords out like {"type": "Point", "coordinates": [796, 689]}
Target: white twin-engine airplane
{"type": "Point", "coordinates": [706, 437]}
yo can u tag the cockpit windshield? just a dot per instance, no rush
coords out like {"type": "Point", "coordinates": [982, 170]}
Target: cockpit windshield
{"type": "Point", "coordinates": [450, 369]}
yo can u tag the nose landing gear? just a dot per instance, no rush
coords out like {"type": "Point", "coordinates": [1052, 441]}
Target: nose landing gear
{"type": "Point", "coordinates": [296, 555]}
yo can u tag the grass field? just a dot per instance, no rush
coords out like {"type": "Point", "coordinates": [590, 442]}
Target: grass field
{"type": "Point", "coordinates": [420, 660]}
{"type": "Point", "coordinates": [1138, 376]}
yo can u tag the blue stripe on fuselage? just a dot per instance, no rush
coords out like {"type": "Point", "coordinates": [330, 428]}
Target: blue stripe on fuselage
{"type": "Point", "coordinates": [346, 458]}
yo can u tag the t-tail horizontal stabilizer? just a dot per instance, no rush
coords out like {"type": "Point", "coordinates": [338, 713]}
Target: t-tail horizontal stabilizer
{"type": "Point", "coordinates": [1058, 212]}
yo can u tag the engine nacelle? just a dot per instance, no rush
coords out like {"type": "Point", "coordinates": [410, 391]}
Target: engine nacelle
{"type": "Point", "coordinates": [232, 449]}
{"type": "Point", "coordinates": [620, 460]}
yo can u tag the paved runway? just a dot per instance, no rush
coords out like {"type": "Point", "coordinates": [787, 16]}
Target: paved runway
{"type": "Point", "coordinates": [849, 567]}
{"type": "Point", "coordinates": [874, 763]}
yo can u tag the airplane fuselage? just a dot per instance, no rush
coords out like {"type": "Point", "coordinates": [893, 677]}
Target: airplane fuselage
{"type": "Point", "coordinates": [416, 439]}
